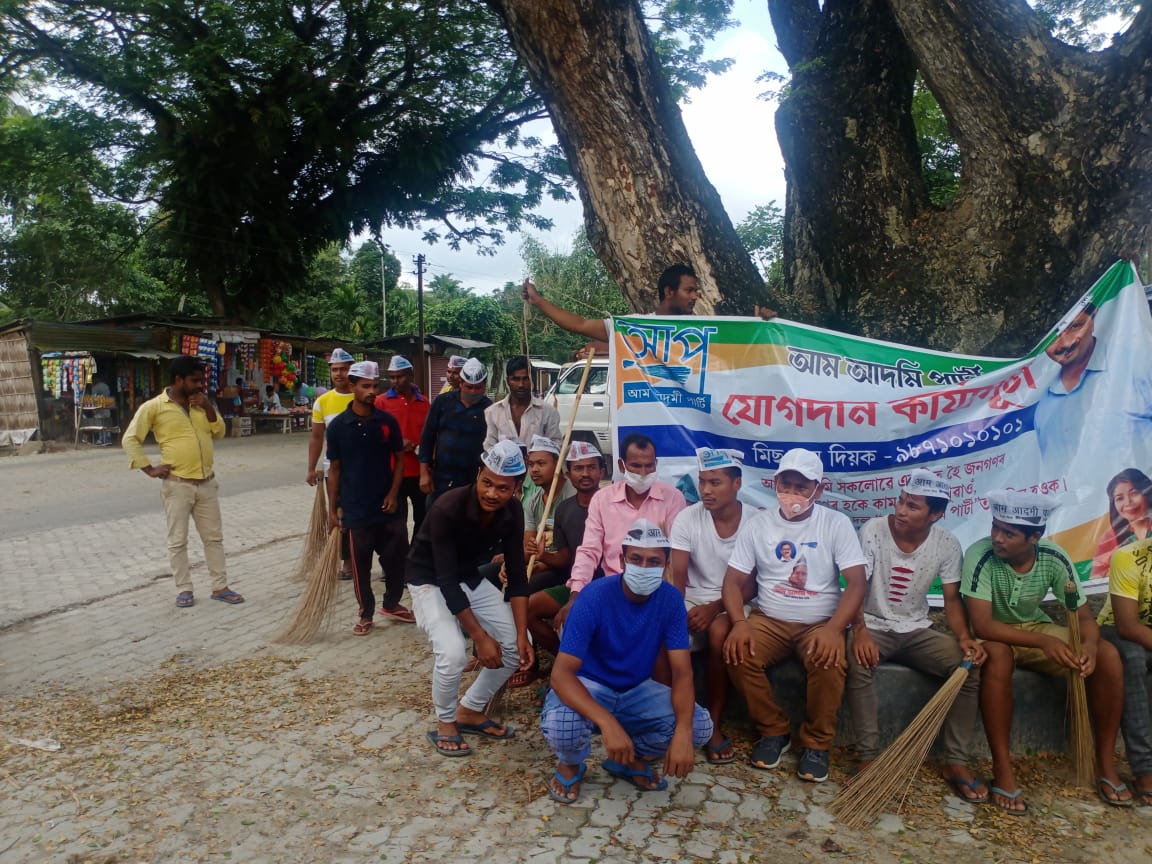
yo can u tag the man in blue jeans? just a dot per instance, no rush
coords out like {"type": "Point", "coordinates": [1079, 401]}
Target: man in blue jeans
{"type": "Point", "coordinates": [602, 678]}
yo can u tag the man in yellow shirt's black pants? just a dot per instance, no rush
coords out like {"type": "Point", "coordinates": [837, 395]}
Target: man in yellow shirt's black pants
{"type": "Point", "coordinates": [184, 421]}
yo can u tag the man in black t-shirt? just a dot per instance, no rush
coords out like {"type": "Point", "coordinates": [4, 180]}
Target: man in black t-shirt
{"type": "Point", "coordinates": [366, 451]}
{"type": "Point", "coordinates": [451, 597]}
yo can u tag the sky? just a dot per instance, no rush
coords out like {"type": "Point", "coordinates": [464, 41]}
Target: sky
{"type": "Point", "coordinates": [732, 132]}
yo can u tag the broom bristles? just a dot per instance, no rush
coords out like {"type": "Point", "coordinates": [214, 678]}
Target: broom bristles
{"type": "Point", "coordinates": [314, 604]}
{"type": "Point", "coordinates": [1080, 721]}
{"type": "Point", "coordinates": [316, 537]}
{"type": "Point", "coordinates": [858, 803]}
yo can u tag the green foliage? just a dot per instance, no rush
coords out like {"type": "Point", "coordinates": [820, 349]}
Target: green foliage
{"type": "Point", "coordinates": [576, 281]}
{"type": "Point", "coordinates": [270, 130]}
{"type": "Point", "coordinates": [444, 288]}
{"type": "Point", "coordinates": [1078, 21]}
{"type": "Point", "coordinates": [762, 233]}
{"type": "Point", "coordinates": [939, 154]}
{"type": "Point", "coordinates": [681, 31]}
{"type": "Point", "coordinates": [67, 250]}
{"type": "Point", "coordinates": [480, 318]}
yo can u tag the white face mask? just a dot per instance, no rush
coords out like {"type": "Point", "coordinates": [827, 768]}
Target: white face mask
{"type": "Point", "coordinates": [794, 504]}
{"type": "Point", "coordinates": [643, 580]}
{"type": "Point", "coordinates": [639, 483]}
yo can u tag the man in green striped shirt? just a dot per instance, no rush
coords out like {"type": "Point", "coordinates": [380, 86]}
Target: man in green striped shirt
{"type": "Point", "coordinates": [1006, 576]}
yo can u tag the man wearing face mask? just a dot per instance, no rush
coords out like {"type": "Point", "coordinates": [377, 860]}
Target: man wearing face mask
{"type": "Point", "coordinates": [453, 436]}
{"type": "Point", "coordinates": [805, 620]}
{"type": "Point", "coordinates": [602, 678]}
{"type": "Point", "coordinates": [638, 496]}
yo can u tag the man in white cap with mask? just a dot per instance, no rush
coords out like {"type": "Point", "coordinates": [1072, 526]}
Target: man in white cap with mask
{"type": "Point", "coordinates": [452, 375]}
{"type": "Point", "coordinates": [328, 406]}
{"type": "Point", "coordinates": [404, 401]}
{"type": "Point", "coordinates": [453, 435]}
{"type": "Point", "coordinates": [366, 456]}
{"type": "Point", "coordinates": [904, 554]}
{"type": "Point", "coordinates": [1005, 578]}
{"type": "Point", "coordinates": [602, 678]}
{"type": "Point", "coordinates": [451, 598]}
{"type": "Point", "coordinates": [703, 537]}
{"type": "Point", "coordinates": [638, 496]}
{"type": "Point", "coordinates": [585, 471]}
{"type": "Point", "coordinates": [794, 554]}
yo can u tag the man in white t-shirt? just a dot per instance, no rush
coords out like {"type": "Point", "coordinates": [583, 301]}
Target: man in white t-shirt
{"type": "Point", "coordinates": [798, 552]}
{"type": "Point", "coordinates": [703, 537]}
{"type": "Point", "coordinates": [904, 554]}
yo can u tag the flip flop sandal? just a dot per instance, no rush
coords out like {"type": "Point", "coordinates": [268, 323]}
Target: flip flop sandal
{"type": "Point", "coordinates": [400, 614]}
{"type": "Point", "coordinates": [362, 629]}
{"type": "Point", "coordinates": [567, 784]}
{"type": "Point", "coordinates": [1116, 788]}
{"type": "Point", "coordinates": [229, 596]}
{"type": "Point", "coordinates": [1011, 796]}
{"type": "Point", "coordinates": [438, 740]}
{"type": "Point", "coordinates": [524, 679]}
{"type": "Point", "coordinates": [712, 752]}
{"type": "Point", "coordinates": [481, 729]}
{"type": "Point", "coordinates": [959, 784]}
{"type": "Point", "coordinates": [623, 772]}
{"type": "Point", "coordinates": [184, 599]}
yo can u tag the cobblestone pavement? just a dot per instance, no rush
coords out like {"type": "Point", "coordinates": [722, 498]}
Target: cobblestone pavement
{"type": "Point", "coordinates": [185, 735]}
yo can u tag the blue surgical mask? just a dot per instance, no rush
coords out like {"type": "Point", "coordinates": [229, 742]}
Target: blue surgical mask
{"type": "Point", "coordinates": [643, 580]}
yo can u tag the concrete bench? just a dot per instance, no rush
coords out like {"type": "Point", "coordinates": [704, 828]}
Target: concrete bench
{"type": "Point", "coordinates": [1039, 722]}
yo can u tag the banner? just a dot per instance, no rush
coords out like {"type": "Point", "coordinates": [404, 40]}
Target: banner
{"type": "Point", "coordinates": [1072, 419]}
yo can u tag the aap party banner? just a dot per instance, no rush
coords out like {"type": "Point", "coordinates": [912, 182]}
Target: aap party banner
{"type": "Point", "coordinates": [1072, 419]}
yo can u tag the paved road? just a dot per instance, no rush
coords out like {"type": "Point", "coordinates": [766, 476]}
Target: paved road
{"type": "Point", "coordinates": [188, 735]}
{"type": "Point", "coordinates": [79, 487]}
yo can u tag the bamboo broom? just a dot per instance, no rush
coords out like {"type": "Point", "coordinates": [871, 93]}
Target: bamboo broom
{"type": "Point", "coordinates": [498, 695]}
{"type": "Point", "coordinates": [890, 776]}
{"type": "Point", "coordinates": [1080, 722]}
{"type": "Point", "coordinates": [316, 537]}
{"type": "Point", "coordinates": [313, 606]}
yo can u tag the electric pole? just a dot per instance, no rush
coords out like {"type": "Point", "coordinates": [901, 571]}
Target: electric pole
{"type": "Point", "coordinates": [383, 292]}
{"type": "Point", "coordinates": [425, 373]}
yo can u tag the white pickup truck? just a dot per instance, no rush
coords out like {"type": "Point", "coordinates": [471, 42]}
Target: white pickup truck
{"type": "Point", "coordinates": [593, 419]}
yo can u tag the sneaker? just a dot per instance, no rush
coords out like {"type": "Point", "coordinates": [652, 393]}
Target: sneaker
{"type": "Point", "coordinates": [768, 751]}
{"type": "Point", "coordinates": [813, 765]}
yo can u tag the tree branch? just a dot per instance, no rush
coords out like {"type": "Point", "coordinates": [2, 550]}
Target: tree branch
{"type": "Point", "coordinates": [797, 24]}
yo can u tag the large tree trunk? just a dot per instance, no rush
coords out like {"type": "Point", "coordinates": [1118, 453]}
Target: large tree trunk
{"type": "Point", "coordinates": [647, 203]}
{"type": "Point", "coordinates": [1056, 167]}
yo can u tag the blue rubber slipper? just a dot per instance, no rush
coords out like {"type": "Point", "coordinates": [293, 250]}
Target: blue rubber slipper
{"type": "Point", "coordinates": [959, 784]}
{"type": "Point", "coordinates": [623, 772]}
{"type": "Point", "coordinates": [567, 784]}
{"type": "Point", "coordinates": [1011, 796]}
{"type": "Point", "coordinates": [228, 596]}
{"type": "Point", "coordinates": [184, 599]}
{"type": "Point", "coordinates": [439, 740]}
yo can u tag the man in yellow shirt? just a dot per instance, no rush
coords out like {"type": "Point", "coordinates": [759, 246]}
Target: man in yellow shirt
{"type": "Point", "coordinates": [1126, 622]}
{"type": "Point", "coordinates": [183, 421]}
{"type": "Point", "coordinates": [328, 407]}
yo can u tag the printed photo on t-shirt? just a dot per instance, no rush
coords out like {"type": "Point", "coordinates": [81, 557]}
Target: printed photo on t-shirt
{"type": "Point", "coordinates": [797, 584]}
{"type": "Point", "coordinates": [785, 551]}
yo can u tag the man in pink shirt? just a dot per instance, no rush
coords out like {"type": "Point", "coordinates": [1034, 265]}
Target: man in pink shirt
{"type": "Point", "coordinates": [614, 508]}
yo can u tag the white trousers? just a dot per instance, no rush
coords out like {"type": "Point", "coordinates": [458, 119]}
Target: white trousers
{"type": "Point", "coordinates": [450, 649]}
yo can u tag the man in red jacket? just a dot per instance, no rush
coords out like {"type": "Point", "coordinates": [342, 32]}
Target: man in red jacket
{"type": "Point", "coordinates": [409, 406]}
